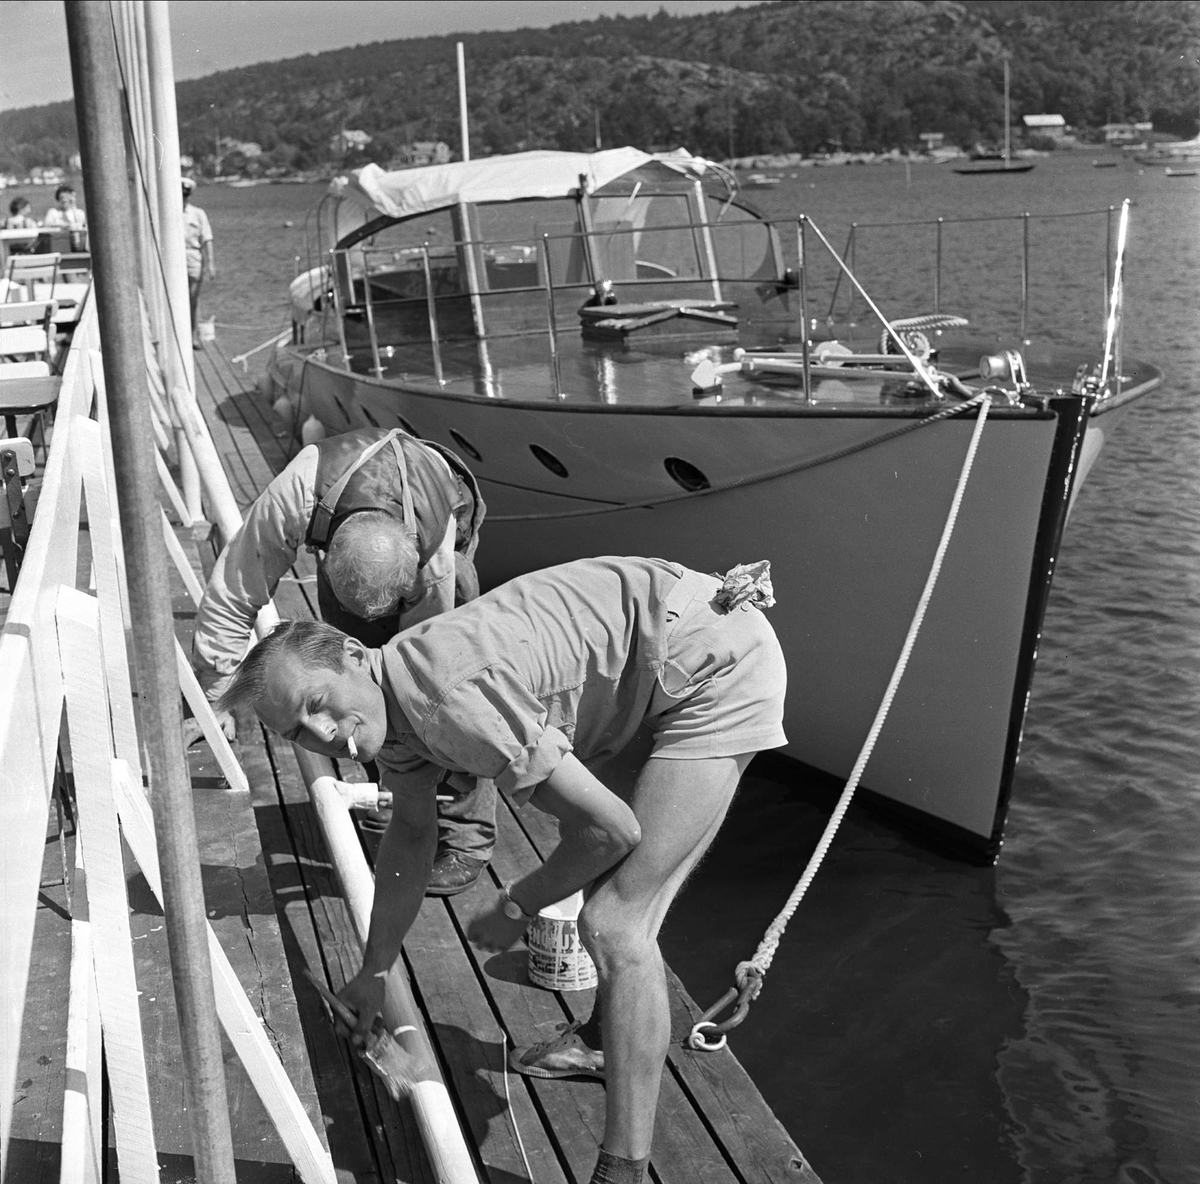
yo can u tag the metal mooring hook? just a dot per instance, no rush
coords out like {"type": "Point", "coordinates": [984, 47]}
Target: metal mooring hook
{"type": "Point", "coordinates": [750, 981]}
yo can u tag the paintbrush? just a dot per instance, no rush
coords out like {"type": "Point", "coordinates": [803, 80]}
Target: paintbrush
{"type": "Point", "coordinates": [387, 1060]}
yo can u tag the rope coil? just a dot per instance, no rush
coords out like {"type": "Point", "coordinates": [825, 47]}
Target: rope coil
{"type": "Point", "coordinates": [749, 975]}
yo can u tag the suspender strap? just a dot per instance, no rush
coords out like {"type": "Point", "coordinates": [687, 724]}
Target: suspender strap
{"type": "Point", "coordinates": [325, 509]}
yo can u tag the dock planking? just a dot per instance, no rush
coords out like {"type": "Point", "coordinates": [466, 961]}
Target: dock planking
{"type": "Point", "coordinates": [712, 1126]}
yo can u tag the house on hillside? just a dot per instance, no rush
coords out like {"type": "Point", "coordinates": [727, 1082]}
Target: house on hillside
{"type": "Point", "coordinates": [226, 145]}
{"type": "Point", "coordinates": [932, 140]}
{"type": "Point", "coordinates": [349, 140]}
{"type": "Point", "coordinates": [422, 152]}
{"type": "Point", "coordinates": [1127, 133]}
{"type": "Point", "coordinates": [1052, 126]}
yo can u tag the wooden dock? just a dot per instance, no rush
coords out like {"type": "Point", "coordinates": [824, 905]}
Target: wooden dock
{"type": "Point", "coordinates": [273, 899]}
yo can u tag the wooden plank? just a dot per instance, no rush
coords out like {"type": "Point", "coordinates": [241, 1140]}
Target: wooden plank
{"type": "Point", "coordinates": [30, 714]}
{"type": "Point", "coordinates": [91, 753]}
{"type": "Point", "coordinates": [470, 1040]}
{"type": "Point", "coordinates": [168, 487]}
{"type": "Point", "coordinates": [684, 1149]}
{"type": "Point", "coordinates": [83, 1117]}
{"type": "Point", "coordinates": [37, 1100]}
{"type": "Point", "coordinates": [179, 557]}
{"type": "Point", "coordinates": [396, 1138]}
{"type": "Point", "coordinates": [202, 710]}
{"type": "Point", "coordinates": [108, 568]}
{"type": "Point", "coordinates": [716, 1082]}
{"type": "Point", "coordinates": [238, 1018]}
{"type": "Point", "coordinates": [290, 879]}
{"type": "Point", "coordinates": [24, 803]}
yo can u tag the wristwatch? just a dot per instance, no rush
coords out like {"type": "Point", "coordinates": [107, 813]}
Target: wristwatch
{"type": "Point", "coordinates": [510, 908]}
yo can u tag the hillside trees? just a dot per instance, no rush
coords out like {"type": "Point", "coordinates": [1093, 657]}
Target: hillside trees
{"type": "Point", "coordinates": [773, 77]}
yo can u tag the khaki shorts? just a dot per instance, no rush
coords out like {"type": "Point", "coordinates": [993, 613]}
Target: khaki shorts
{"type": "Point", "coordinates": [721, 690]}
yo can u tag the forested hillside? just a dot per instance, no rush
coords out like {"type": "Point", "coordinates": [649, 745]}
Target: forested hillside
{"type": "Point", "coordinates": [775, 77]}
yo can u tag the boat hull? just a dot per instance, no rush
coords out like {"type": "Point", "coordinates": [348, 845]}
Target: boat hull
{"type": "Point", "coordinates": [850, 540]}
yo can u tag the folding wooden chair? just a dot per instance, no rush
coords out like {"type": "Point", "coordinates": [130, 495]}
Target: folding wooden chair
{"type": "Point", "coordinates": [24, 271]}
{"type": "Point", "coordinates": [27, 347]}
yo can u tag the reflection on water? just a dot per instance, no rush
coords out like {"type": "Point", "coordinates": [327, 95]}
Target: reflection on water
{"type": "Point", "coordinates": [925, 1021]}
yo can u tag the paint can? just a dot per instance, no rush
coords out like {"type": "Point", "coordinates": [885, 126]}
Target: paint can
{"type": "Point", "coordinates": [557, 959]}
{"type": "Point", "coordinates": [208, 329]}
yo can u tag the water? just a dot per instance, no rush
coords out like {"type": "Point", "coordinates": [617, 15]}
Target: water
{"type": "Point", "coordinates": [924, 1021]}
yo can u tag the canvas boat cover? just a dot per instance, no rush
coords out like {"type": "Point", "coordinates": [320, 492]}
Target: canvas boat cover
{"type": "Point", "coordinates": [406, 192]}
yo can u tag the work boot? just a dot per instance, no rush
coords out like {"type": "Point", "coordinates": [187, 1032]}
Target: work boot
{"type": "Point", "coordinates": [452, 873]}
{"type": "Point", "coordinates": [564, 1056]}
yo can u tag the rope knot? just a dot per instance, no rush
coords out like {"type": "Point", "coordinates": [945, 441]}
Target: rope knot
{"type": "Point", "coordinates": [749, 979]}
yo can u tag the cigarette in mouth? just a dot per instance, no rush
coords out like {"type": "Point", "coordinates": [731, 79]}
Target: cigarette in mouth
{"type": "Point", "coordinates": [353, 748]}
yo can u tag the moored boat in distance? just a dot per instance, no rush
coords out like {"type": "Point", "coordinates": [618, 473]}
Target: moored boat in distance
{"type": "Point", "coordinates": [626, 354]}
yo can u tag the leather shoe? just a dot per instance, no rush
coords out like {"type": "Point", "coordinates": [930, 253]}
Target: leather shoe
{"type": "Point", "coordinates": [376, 820]}
{"type": "Point", "coordinates": [564, 1056]}
{"type": "Point", "coordinates": [453, 873]}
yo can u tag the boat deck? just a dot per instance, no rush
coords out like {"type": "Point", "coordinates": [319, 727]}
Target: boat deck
{"type": "Point", "coordinates": [713, 1126]}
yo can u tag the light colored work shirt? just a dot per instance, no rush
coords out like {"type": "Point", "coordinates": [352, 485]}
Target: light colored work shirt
{"type": "Point", "coordinates": [196, 232]}
{"type": "Point", "coordinates": [560, 660]}
{"type": "Point", "coordinates": [72, 219]}
{"type": "Point", "coordinates": [250, 567]}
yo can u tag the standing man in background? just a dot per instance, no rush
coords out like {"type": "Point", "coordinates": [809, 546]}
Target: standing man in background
{"type": "Point", "coordinates": [198, 242]}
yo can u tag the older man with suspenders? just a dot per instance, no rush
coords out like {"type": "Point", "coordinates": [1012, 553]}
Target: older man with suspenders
{"type": "Point", "coordinates": [394, 522]}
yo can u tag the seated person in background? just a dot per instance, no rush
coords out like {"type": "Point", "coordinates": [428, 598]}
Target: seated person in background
{"type": "Point", "coordinates": [19, 217]}
{"type": "Point", "coordinates": [65, 214]}
{"type": "Point", "coordinates": [394, 522]}
{"type": "Point", "coordinates": [536, 685]}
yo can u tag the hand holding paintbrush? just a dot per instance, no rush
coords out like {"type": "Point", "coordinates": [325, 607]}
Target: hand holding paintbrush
{"type": "Point", "coordinates": [386, 1058]}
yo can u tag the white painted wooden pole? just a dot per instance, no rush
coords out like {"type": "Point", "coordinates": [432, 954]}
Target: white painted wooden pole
{"type": "Point", "coordinates": [444, 1143]}
{"type": "Point", "coordinates": [462, 103]}
{"type": "Point", "coordinates": [167, 178]}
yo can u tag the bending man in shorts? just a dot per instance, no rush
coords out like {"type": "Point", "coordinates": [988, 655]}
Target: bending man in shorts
{"type": "Point", "coordinates": [536, 684]}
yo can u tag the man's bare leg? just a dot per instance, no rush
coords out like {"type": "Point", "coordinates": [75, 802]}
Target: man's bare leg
{"type": "Point", "coordinates": [680, 805]}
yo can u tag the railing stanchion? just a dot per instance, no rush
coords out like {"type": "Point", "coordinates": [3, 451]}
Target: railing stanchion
{"type": "Point", "coordinates": [837, 283]}
{"type": "Point", "coordinates": [376, 365]}
{"type": "Point", "coordinates": [431, 306]}
{"type": "Point", "coordinates": [1112, 328]}
{"type": "Point", "coordinates": [853, 248]}
{"type": "Point", "coordinates": [550, 317]}
{"type": "Point", "coordinates": [337, 299]}
{"type": "Point", "coordinates": [1024, 274]}
{"type": "Point", "coordinates": [937, 270]}
{"type": "Point", "coordinates": [1107, 255]}
{"type": "Point", "coordinates": [804, 325]}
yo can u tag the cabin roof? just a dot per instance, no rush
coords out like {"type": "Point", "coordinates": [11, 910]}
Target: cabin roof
{"type": "Point", "coordinates": [544, 174]}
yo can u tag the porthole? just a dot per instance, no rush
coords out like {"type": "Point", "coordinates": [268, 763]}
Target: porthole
{"type": "Point", "coordinates": [686, 475]}
{"type": "Point", "coordinates": [407, 426]}
{"type": "Point", "coordinates": [549, 460]}
{"type": "Point", "coordinates": [466, 445]}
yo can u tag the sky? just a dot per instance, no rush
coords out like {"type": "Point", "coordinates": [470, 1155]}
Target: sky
{"type": "Point", "coordinates": [212, 35]}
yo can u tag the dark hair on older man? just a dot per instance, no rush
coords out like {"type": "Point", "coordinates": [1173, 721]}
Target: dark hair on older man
{"type": "Point", "coordinates": [313, 642]}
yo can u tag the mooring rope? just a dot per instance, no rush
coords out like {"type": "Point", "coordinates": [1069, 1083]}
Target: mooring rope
{"type": "Point", "coordinates": [754, 479]}
{"type": "Point", "coordinates": [749, 975]}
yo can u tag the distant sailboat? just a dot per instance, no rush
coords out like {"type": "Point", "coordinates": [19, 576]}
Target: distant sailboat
{"type": "Point", "coordinates": [1006, 164]}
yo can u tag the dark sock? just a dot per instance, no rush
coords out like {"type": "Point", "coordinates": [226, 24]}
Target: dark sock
{"type": "Point", "coordinates": [613, 1169]}
{"type": "Point", "coordinates": [589, 1030]}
